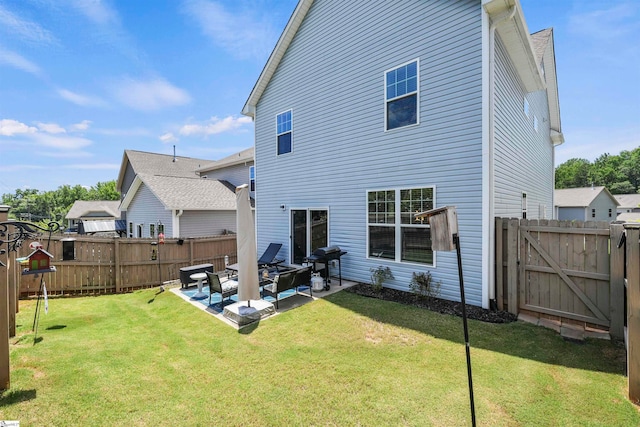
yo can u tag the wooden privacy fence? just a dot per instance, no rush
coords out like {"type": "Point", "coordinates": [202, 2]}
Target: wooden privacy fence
{"type": "Point", "coordinates": [114, 265]}
{"type": "Point", "coordinates": [632, 333]}
{"type": "Point", "coordinates": [562, 269]}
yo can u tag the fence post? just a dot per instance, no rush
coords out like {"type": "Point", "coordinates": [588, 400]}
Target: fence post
{"type": "Point", "coordinates": [616, 285]}
{"type": "Point", "coordinates": [513, 231]}
{"type": "Point", "coordinates": [633, 310]}
{"type": "Point", "coordinates": [116, 255]}
{"type": "Point", "coordinates": [499, 267]}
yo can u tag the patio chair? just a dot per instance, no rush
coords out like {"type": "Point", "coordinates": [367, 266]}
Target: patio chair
{"type": "Point", "coordinates": [282, 282]}
{"type": "Point", "coordinates": [226, 289]}
{"type": "Point", "coordinates": [268, 258]}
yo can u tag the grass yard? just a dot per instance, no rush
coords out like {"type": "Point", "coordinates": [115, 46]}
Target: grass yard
{"type": "Point", "coordinates": [148, 359]}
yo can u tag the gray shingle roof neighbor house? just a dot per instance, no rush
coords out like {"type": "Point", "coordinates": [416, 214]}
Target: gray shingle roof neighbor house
{"type": "Point", "coordinates": [628, 202]}
{"type": "Point", "coordinates": [182, 196]}
{"type": "Point", "coordinates": [97, 209]}
{"type": "Point", "coordinates": [585, 204]}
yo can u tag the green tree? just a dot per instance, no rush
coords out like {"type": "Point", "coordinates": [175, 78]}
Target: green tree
{"type": "Point", "coordinates": [573, 173]}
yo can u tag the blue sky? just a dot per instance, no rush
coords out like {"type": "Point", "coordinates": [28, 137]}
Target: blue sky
{"type": "Point", "coordinates": [83, 80]}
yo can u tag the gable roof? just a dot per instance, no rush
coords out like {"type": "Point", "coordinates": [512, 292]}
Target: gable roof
{"type": "Point", "coordinates": [185, 193]}
{"type": "Point", "coordinates": [153, 163]}
{"type": "Point", "coordinates": [84, 208]}
{"type": "Point", "coordinates": [579, 197]}
{"type": "Point", "coordinates": [628, 200]}
{"type": "Point", "coordinates": [241, 158]}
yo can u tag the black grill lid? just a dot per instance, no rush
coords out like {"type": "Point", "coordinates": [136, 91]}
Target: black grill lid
{"type": "Point", "coordinates": [320, 252]}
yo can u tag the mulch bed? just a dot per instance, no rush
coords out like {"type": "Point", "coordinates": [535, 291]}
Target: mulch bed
{"type": "Point", "coordinates": [434, 304]}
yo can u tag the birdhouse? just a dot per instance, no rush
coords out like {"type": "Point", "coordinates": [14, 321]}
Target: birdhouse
{"type": "Point", "coordinates": [39, 262]}
{"type": "Point", "coordinates": [444, 224]}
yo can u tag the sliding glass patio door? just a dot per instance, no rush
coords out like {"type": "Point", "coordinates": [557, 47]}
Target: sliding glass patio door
{"type": "Point", "coordinates": [309, 231]}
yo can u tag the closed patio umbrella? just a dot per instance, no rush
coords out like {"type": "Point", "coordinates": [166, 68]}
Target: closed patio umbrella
{"type": "Point", "coordinates": [248, 286]}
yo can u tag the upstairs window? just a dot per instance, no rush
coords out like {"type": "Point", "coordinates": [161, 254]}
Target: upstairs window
{"type": "Point", "coordinates": [525, 107]}
{"type": "Point", "coordinates": [401, 96]}
{"type": "Point", "coordinates": [252, 178]}
{"type": "Point", "coordinates": [284, 130]}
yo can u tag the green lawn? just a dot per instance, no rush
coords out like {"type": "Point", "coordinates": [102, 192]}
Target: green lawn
{"type": "Point", "coordinates": [153, 359]}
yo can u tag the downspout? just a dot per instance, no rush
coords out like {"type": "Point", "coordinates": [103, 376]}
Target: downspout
{"type": "Point", "coordinates": [176, 223]}
{"type": "Point", "coordinates": [491, 156]}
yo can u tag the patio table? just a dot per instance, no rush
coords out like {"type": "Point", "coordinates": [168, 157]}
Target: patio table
{"type": "Point", "coordinates": [200, 277]}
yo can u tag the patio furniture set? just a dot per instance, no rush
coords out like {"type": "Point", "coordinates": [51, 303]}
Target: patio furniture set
{"type": "Point", "coordinates": [278, 278]}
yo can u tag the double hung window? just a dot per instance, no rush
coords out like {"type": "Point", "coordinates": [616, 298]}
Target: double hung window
{"type": "Point", "coordinates": [284, 132]}
{"type": "Point", "coordinates": [401, 96]}
{"type": "Point", "coordinates": [392, 230]}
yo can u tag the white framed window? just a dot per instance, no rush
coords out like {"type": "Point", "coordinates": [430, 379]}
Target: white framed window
{"type": "Point", "coordinates": [535, 123]}
{"type": "Point", "coordinates": [140, 230]}
{"type": "Point", "coordinates": [160, 228]}
{"type": "Point", "coordinates": [524, 205]}
{"type": "Point", "coordinates": [525, 107]}
{"type": "Point", "coordinates": [393, 233]}
{"type": "Point", "coordinates": [284, 132]}
{"type": "Point", "coordinates": [593, 213]}
{"type": "Point", "coordinates": [152, 230]}
{"type": "Point", "coordinates": [252, 178]}
{"type": "Point", "coordinates": [130, 229]}
{"type": "Point", "coordinates": [401, 94]}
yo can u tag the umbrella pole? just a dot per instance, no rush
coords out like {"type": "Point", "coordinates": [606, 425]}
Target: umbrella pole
{"type": "Point", "coordinates": [456, 240]}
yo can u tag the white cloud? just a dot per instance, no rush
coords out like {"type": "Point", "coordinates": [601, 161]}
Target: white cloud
{"type": "Point", "coordinates": [92, 166]}
{"type": "Point", "coordinates": [242, 34]}
{"type": "Point", "coordinates": [81, 100]}
{"type": "Point", "coordinates": [79, 127]}
{"type": "Point", "coordinates": [96, 11]}
{"type": "Point", "coordinates": [50, 127]}
{"type": "Point", "coordinates": [168, 137]}
{"type": "Point", "coordinates": [16, 60]}
{"type": "Point", "coordinates": [25, 30]}
{"type": "Point", "coordinates": [9, 127]}
{"type": "Point", "coordinates": [60, 142]}
{"type": "Point", "coordinates": [150, 95]}
{"type": "Point", "coordinates": [618, 21]}
{"type": "Point", "coordinates": [19, 168]}
{"type": "Point", "coordinates": [215, 126]}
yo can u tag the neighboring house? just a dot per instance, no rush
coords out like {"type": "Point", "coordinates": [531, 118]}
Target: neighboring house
{"type": "Point", "coordinates": [585, 204]}
{"type": "Point", "coordinates": [628, 207]}
{"type": "Point", "coordinates": [168, 194]}
{"type": "Point", "coordinates": [93, 216]}
{"type": "Point", "coordinates": [421, 104]}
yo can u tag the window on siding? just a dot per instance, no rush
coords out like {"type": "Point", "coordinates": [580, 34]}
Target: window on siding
{"type": "Point", "coordinates": [610, 213]}
{"type": "Point", "coordinates": [130, 229]}
{"type": "Point", "coordinates": [284, 132]}
{"type": "Point", "coordinates": [593, 213]}
{"type": "Point", "coordinates": [160, 228]}
{"type": "Point", "coordinates": [401, 96]}
{"type": "Point", "coordinates": [393, 232]}
{"type": "Point", "coordinates": [252, 178]}
{"type": "Point", "coordinates": [535, 123]}
{"type": "Point", "coordinates": [524, 205]}
{"type": "Point", "coordinates": [525, 107]}
{"type": "Point", "coordinates": [139, 230]}
{"type": "Point", "coordinates": [152, 230]}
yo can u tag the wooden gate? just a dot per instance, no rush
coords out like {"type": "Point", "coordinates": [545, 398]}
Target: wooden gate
{"type": "Point", "coordinates": [564, 269]}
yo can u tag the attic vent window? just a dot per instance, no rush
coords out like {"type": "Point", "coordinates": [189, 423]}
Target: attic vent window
{"type": "Point", "coordinates": [401, 96]}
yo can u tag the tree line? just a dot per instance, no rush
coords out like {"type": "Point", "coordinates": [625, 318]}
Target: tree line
{"type": "Point", "coordinates": [33, 205]}
{"type": "Point", "coordinates": [619, 173]}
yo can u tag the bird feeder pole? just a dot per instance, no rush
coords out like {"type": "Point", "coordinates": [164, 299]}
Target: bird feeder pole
{"type": "Point", "coordinates": [445, 237]}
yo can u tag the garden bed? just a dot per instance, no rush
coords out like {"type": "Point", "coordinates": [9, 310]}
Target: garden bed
{"type": "Point", "coordinates": [438, 305]}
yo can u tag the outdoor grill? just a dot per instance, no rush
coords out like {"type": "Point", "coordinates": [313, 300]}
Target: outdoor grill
{"type": "Point", "coordinates": [325, 256]}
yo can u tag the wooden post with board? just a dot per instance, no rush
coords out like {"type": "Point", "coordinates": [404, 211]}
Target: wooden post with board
{"type": "Point", "coordinates": [632, 232]}
{"type": "Point", "coordinates": [4, 315]}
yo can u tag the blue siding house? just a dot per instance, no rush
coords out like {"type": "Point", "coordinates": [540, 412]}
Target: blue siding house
{"type": "Point", "coordinates": [365, 115]}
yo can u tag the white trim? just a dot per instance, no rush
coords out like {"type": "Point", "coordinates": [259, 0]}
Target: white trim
{"type": "Point", "coordinates": [488, 225]}
{"type": "Point", "coordinates": [417, 92]}
{"type": "Point", "coordinates": [308, 210]}
{"type": "Point", "coordinates": [397, 225]}
{"type": "Point", "coordinates": [278, 134]}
